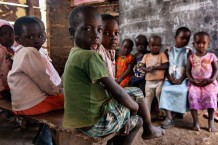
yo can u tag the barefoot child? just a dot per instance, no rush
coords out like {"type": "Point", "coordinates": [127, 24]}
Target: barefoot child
{"type": "Point", "coordinates": [124, 63]}
{"type": "Point", "coordinates": [138, 79]}
{"type": "Point", "coordinates": [6, 53]}
{"type": "Point", "coordinates": [202, 73]}
{"type": "Point", "coordinates": [110, 41]}
{"type": "Point", "coordinates": [31, 88]}
{"type": "Point", "coordinates": [155, 65]}
{"type": "Point", "coordinates": [87, 104]}
{"type": "Point", "coordinates": [174, 92]}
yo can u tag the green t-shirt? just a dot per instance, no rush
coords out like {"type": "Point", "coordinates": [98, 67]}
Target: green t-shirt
{"type": "Point", "coordinates": [84, 95]}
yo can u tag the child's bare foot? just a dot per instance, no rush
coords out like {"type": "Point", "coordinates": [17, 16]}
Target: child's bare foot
{"type": "Point", "coordinates": [211, 125]}
{"type": "Point", "coordinates": [155, 133]}
{"type": "Point", "coordinates": [196, 127]}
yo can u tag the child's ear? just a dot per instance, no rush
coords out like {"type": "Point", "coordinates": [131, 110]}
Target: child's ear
{"type": "Point", "coordinates": [72, 32]}
{"type": "Point", "coordinates": [17, 39]}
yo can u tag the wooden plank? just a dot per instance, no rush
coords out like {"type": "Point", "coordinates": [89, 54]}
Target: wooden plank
{"type": "Point", "coordinates": [79, 2]}
{"type": "Point", "coordinates": [15, 1]}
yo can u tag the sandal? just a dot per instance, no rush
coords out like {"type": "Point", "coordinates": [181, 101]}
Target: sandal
{"type": "Point", "coordinates": [167, 123]}
{"type": "Point", "coordinates": [158, 132]}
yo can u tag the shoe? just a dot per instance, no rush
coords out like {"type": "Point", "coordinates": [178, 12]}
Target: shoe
{"type": "Point", "coordinates": [167, 123]}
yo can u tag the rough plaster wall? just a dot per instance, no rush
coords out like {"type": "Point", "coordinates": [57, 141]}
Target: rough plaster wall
{"type": "Point", "coordinates": [60, 42]}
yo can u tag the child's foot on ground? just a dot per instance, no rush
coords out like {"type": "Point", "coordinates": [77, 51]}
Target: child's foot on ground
{"type": "Point", "coordinates": [196, 127]}
{"type": "Point", "coordinates": [167, 123]}
{"type": "Point", "coordinates": [211, 127]}
{"type": "Point", "coordinates": [155, 133]}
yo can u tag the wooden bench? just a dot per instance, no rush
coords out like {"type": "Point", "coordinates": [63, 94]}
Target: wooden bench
{"type": "Point", "coordinates": [62, 136]}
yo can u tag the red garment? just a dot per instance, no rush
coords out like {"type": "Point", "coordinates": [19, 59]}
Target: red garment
{"type": "Point", "coordinates": [49, 104]}
{"type": "Point", "coordinates": [122, 63]}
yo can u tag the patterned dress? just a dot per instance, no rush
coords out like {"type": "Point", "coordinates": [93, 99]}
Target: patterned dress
{"type": "Point", "coordinates": [202, 97]}
{"type": "Point", "coordinates": [174, 97]}
{"type": "Point", "coordinates": [122, 63]}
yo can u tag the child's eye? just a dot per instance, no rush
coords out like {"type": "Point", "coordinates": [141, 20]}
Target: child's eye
{"type": "Point", "coordinates": [116, 33]}
{"type": "Point", "coordinates": [100, 30]}
{"type": "Point", "coordinates": [29, 37]}
{"type": "Point", "coordinates": [106, 33]}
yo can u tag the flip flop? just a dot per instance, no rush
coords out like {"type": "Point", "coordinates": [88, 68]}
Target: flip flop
{"type": "Point", "coordinates": [158, 133]}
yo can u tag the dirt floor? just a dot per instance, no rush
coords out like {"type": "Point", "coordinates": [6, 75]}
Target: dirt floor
{"type": "Point", "coordinates": [179, 135]}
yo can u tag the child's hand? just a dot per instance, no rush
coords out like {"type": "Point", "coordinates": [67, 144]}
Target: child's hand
{"type": "Point", "coordinates": [118, 80]}
{"type": "Point", "coordinates": [125, 129]}
{"type": "Point", "coordinates": [206, 82]}
{"type": "Point", "coordinates": [172, 80]}
{"type": "Point", "coordinates": [149, 69]}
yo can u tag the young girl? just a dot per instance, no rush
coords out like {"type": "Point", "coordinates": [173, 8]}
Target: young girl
{"type": "Point", "coordinates": [31, 88]}
{"type": "Point", "coordinates": [202, 73]}
{"type": "Point", "coordinates": [138, 79]}
{"type": "Point", "coordinates": [174, 92]}
{"type": "Point", "coordinates": [124, 63]}
{"type": "Point", "coordinates": [87, 104]}
{"type": "Point", "coordinates": [6, 53]}
{"type": "Point", "coordinates": [110, 41]}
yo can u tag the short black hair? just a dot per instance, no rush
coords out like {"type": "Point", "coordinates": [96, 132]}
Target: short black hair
{"type": "Point", "coordinates": [75, 16]}
{"type": "Point", "coordinates": [40, 22]}
{"type": "Point", "coordinates": [106, 17]}
{"type": "Point", "coordinates": [201, 33]}
{"type": "Point", "coordinates": [130, 42]}
{"type": "Point", "coordinates": [155, 37]}
{"type": "Point", "coordinates": [182, 29]}
{"type": "Point", "coordinates": [143, 37]}
{"type": "Point", "coordinates": [22, 21]}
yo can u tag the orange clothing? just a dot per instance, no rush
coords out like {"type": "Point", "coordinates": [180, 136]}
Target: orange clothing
{"type": "Point", "coordinates": [122, 63]}
{"type": "Point", "coordinates": [47, 105]}
{"type": "Point", "coordinates": [154, 60]}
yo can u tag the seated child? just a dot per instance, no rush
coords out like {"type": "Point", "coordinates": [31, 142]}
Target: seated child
{"type": "Point", "coordinates": [138, 79]}
{"type": "Point", "coordinates": [88, 106]}
{"type": "Point", "coordinates": [6, 53]}
{"type": "Point", "coordinates": [110, 41]}
{"type": "Point", "coordinates": [202, 73]}
{"type": "Point", "coordinates": [174, 91]}
{"type": "Point", "coordinates": [155, 65]}
{"type": "Point", "coordinates": [31, 88]}
{"type": "Point", "coordinates": [124, 63]}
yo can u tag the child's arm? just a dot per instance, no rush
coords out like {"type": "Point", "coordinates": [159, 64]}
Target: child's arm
{"type": "Point", "coordinates": [213, 76]}
{"type": "Point", "coordinates": [168, 76]}
{"type": "Point", "coordinates": [128, 71]}
{"type": "Point", "coordinates": [163, 66]}
{"type": "Point", "coordinates": [120, 95]}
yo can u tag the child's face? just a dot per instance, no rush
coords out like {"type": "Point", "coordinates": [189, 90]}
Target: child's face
{"type": "Point", "coordinates": [155, 45]}
{"type": "Point", "coordinates": [32, 36]}
{"type": "Point", "coordinates": [141, 45]}
{"type": "Point", "coordinates": [111, 38]}
{"type": "Point", "coordinates": [201, 43]}
{"type": "Point", "coordinates": [126, 48]}
{"type": "Point", "coordinates": [6, 36]}
{"type": "Point", "coordinates": [88, 34]}
{"type": "Point", "coordinates": [182, 39]}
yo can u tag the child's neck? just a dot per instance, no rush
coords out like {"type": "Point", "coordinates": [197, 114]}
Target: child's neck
{"type": "Point", "coordinates": [201, 54]}
{"type": "Point", "coordinates": [179, 46]}
{"type": "Point", "coordinates": [155, 53]}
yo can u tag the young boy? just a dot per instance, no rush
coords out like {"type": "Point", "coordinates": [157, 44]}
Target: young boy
{"type": "Point", "coordinates": [31, 88]}
{"type": "Point", "coordinates": [87, 104]}
{"type": "Point", "coordinates": [155, 65]}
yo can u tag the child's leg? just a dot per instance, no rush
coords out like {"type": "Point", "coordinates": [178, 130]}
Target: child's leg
{"type": "Point", "coordinates": [196, 126]}
{"type": "Point", "coordinates": [150, 131]}
{"type": "Point", "coordinates": [127, 140]}
{"type": "Point", "coordinates": [168, 122]}
{"type": "Point", "coordinates": [149, 95]}
{"type": "Point", "coordinates": [211, 126]}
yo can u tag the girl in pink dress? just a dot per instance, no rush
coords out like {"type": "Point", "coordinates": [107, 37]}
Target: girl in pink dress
{"type": "Point", "coordinates": [202, 73]}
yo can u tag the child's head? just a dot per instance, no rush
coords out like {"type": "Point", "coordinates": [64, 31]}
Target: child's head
{"type": "Point", "coordinates": [201, 42]}
{"type": "Point", "coordinates": [182, 37]}
{"type": "Point", "coordinates": [28, 32]}
{"type": "Point", "coordinates": [111, 38]}
{"type": "Point", "coordinates": [86, 27]}
{"type": "Point", "coordinates": [6, 34]}
{"type": "Point", "coordinates": [154, 44]}
{"type": "Point", "coordinates": [141, 43]}
{"type": "Point", "coordinates": [126, 47]}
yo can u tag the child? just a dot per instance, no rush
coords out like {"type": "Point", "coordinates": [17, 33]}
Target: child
{"type": "Point", "coordinates": [155, 63]}
{"type": "Point", "coordinates": [31, 88]}
{"type": "Point", "coordinates": [202, 73]}
{"type": "Point", "coordinates": [111, 40]}
{"type": "Point", "coordinates": [87, 105]}
{"type": "Point", "coordinates": [6, 53]}
{"type": "Point", "coordinates": [174, 92]}
{"type": "Point", "coordinates": [138, 79]}
{"type": "Point", "coordinates": [124, 63]}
